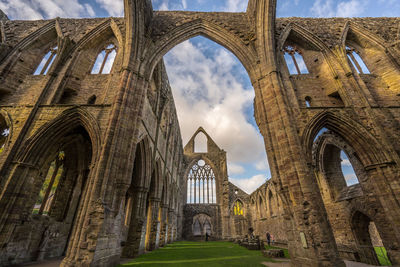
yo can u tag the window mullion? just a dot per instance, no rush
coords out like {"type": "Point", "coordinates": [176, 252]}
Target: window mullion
{"type": "Point", "coordinates": [46, 196]}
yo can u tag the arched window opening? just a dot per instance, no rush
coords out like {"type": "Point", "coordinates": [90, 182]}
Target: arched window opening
{"type": "Point", "coordinates": [238, 208]}
{"type": "Point", "coordinates": [4, 133]}
{"type": "Point", "coordinates": [356, 61]}
{"type": "Point", "coordinates": [196, 228]}
{"type": "Point", "coordinates": [46, 62]}
{"type": "Point", "coordinates": [271, 204]}
{"type": "Point", "coordinates": [105, 60]}
{"type": "Point", "coordinates": [294, 60]}
{"type": "Point", "coordinates": [201, 184]}
{"type": "Point", "coordinates": [347, 169]}
{"type": "Point", "coordinates": [200, 143]}
{"type": "Point", "coordinates": [207, 227]}
{"type": "Point", "coordinates": [308, 101]}
{"type": "Point", "coordinates": [261, 207]}
{"type": "Point", "coordinates": [92, 100]}
{"type": "Point", "coordinates": [323, 130]}
{"type": "Point", "coordinates": [49, 187]}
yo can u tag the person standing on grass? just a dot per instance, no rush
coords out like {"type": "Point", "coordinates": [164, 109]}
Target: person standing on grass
{"type": "Point", "coordinates": [268, 239]}
{"type": "Point", "coordinates": [206, 236]}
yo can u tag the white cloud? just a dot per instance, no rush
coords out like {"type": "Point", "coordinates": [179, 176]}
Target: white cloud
{"type": "Point", "coordinates": [262, 165]}
{"type": "Point", "coordinates": [351, 179]}
{"type": "Point", "coordinates": [235, 169]}
{"type": "Point", "coordinates": [346, 162]}
{"type": "Point", "coordinates": [45, 9]}
{"type": "Point", "coordinates": [327, 8]}
{"type": "Point", "coordinates": [350, 9]}
{"type": "Point", "coordinates": [114, 7]}
{"type": "Point", "coordinates": [251, 184]}
{"type": "Point", "coordinates": [208, 92]}
{"type": "Point", "coordinates": [235, 6]}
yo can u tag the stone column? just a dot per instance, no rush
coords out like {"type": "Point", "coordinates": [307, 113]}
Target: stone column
{"type": "Point", "coordinates": [164, 222]}
{"type": "Point", "coordinates": [153, 224]}
{"type": "Point", "coordinates": [312, 242]}
{"type": "Point", "coordinates": [137, 220]}
{"type": "Point", "coordinates": [170, 224]}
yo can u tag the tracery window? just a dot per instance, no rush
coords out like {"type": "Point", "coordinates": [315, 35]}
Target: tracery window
{"type": "Point", "coordinates": [201, 184]}
{"type": "Point", "coordinates": [105, 60]}
{"type": "Point", "coordinates": [294, 60]}
{"type": "Point", "coordinates": [238, 208]}
{"type": "Point", "coordinates": [4, 133]}
{"type": "Point", "coordinates": [49, 187]}
{"type": "Point", "coordinates": [46, 62]}
{"type": "Point", "coordinates": [356, 61]}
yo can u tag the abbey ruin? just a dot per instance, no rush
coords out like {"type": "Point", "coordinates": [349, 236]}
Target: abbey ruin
{"type": "Point", "coordinates": [92, 165]}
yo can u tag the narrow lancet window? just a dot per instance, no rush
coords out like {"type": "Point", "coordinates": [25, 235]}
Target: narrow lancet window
{"type": "Point", "coordinates": [46, 62]}
{"type": "Point", "coordinates": [347, 170]}
{"type": "Point", "coordinates": [294, 60]}
{"type": "Point", "coordinates": [105, 60]}
{"type": "Point", "coordinates": [356, 61]}
{"type": "Point", "coordinates": [49, 187]}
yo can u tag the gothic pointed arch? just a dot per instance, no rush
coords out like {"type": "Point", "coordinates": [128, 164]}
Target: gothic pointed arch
{"type": "Point", "coordinates": [369, 149]}
{"type": "Point", "coordinates": [210, 30]}
{"type": "Point", "coordinates": [28, 54]}
{"type": "Point", "coordinates": [70, 118]}
{"type": "Point", "coordinates": [367, 52]}
{"type": "Point", "coordinates": [100, 51]}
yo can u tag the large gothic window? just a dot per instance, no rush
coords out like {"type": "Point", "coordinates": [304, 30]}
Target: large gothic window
{"type": "Point", "coordinates": [46, 62]}
{"type": "Point", "coordinates": [105, 60]}
{"type": "Point", "coordinates": [238, 208]}
{"type": "Point", "coordinates": [294, 60]}
{"type": "Point", "coordinates": [356, 61]}
{"type": "Point", "coordinates": [201, 184]}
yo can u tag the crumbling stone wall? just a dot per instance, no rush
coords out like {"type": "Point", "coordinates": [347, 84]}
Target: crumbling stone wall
{"type": "Point", "coordinates": [46, 113]}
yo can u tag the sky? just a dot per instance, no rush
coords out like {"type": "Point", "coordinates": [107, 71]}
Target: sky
{"type": "Point", "coordinates": [210, 86]}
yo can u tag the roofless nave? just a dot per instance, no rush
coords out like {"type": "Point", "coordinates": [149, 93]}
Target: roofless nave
{"type": "Point", "coordinates": [92, 162]}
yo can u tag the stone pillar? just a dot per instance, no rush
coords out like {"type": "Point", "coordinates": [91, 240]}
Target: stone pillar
{"type": "Point", "coordinates": [137, 220]}
{"type": "Point", "coordinates": [170, 225]}
{"type": "Point", "coordinates": [164, 222]}
{"type": "Point", "coordinates": [312, 242]}
{"type": "Point", "coordinates": [153, 223]}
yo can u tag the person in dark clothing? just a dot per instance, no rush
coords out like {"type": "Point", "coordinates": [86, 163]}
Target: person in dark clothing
{"type": "Point", "coordinates": [268, 238]}
{"type": "Point", "coordinates": [207, 236]}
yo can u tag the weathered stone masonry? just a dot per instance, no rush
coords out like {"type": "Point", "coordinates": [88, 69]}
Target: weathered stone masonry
{"type": "Point", "coordinates": [123, 184]}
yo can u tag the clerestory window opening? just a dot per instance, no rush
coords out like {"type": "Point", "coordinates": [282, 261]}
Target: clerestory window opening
{"type": "Point", "coordinates": [47, 62]}
{"type": "Point", "coordinates": [294, 60]}
{"type": "Point", "coordinates": [105, 60]}
{"type": "Point", "coordinates": [356, 61]}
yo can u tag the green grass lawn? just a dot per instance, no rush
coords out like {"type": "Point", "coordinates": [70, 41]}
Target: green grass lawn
{"type": "Point", "coordinates": [213, 253]}
{"type": "Point", "coordinates": [382, 256]}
